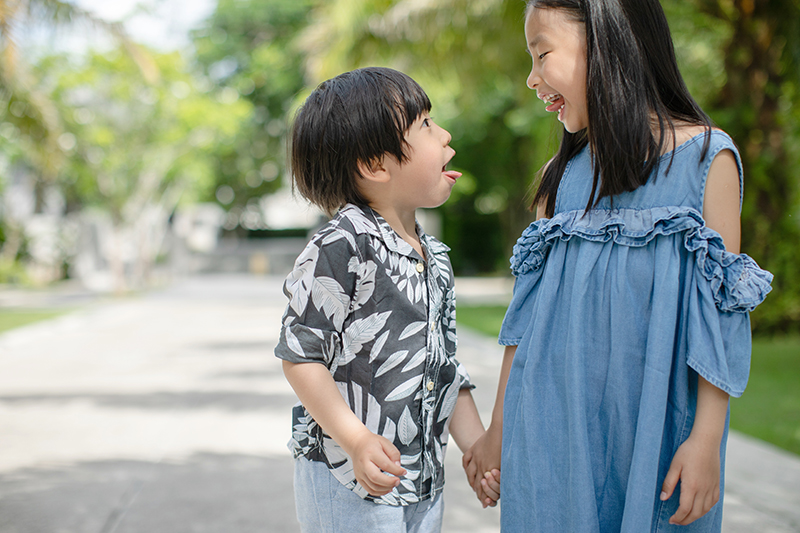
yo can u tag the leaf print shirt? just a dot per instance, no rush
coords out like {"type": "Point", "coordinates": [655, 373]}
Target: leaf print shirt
{"type": "Point", "coordinates": [381, 318]}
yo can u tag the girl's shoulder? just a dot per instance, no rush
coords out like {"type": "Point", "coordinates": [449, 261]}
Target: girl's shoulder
{"type": "Point", "coordinates": [686, 133]}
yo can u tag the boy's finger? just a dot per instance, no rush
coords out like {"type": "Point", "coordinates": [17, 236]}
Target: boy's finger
{"type": "Point", "coordinates": [472, 471]}
{"type": "Point", "coordinates": [393, 467]}
{"type": "Point", "coordinates": [496, 474]}
{"type": "Point", "coordinates": [390, 450]}
{"type": "Point", "coordinates": [466, 459]}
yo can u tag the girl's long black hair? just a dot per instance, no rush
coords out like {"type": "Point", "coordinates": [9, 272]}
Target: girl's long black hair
{"type": "Point", "coordinates": [632, 80]}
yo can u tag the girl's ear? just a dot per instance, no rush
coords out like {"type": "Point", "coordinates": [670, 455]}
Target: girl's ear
{"type": "Point", "coordinates": [373, 171]}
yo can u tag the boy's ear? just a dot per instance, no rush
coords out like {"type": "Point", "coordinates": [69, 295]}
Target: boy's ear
{"type": "Point", "coordinates": [374, 171]}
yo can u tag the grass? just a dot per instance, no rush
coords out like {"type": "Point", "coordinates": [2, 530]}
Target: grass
{"type": "Point", "coordinates": [14, 318]}
{"type": "Point", "coordinates": [770, 407]}
{"type": "Point", "coordinates": [485, 319]}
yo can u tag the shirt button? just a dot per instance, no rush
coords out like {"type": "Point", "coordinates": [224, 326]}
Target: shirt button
{"type": "Point", "coordinates": [420, 267]}
{"type": "Point", "coordinates": [433, 325]}
{"type": "Point", "coordinates": [430, 385]}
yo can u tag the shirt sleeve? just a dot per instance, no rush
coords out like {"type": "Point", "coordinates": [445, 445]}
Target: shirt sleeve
{"type": "Point", "coordinates": [320, 290]}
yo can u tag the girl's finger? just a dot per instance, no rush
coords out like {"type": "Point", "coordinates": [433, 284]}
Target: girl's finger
{"type": "Point", "coordinates": [490, 492]}
{"type": "Point", "coordinates": [685, 508]}
{"type": "Point", "coordinates": [673, 476]}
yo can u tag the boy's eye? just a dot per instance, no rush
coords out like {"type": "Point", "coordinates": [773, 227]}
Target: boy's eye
{"type": "Point", "coordinates": [426, 122]}
{"type": "Point", "coordinates": [541, 56]}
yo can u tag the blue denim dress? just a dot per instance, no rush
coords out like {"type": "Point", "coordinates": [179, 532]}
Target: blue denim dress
{"type": "Point", "coordinates": [615, 312]}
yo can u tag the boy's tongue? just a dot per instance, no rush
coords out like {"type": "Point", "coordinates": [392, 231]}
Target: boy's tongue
{"type": "Point", "coordinates": [452, 174]}
{"type": "Point", "coordinates": [555, 105]}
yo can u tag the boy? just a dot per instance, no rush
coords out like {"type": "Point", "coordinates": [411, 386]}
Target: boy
{"type": "Point", "coordinates": [372, 304]}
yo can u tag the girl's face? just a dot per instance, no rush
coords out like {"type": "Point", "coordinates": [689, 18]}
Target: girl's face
{"type": "Point", "coordinates": [557, 44]}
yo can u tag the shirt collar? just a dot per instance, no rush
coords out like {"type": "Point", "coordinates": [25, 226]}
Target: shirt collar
{"type": "Point", "coordinates": [367, 220]}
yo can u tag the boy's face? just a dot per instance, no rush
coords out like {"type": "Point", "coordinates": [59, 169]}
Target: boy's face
{"type": "Point", "coordinates": [423, 181]}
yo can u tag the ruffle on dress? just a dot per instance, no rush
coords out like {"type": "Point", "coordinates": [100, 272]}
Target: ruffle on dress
{"type": "Point", "coordinates": [737, 282]}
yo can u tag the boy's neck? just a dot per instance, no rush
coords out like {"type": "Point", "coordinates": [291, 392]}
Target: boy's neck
{"type": "Point", "coordinates": [403, 222]}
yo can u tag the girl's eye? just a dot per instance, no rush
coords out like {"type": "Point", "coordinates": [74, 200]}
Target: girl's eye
{"type": "Point", "coordinates": [541, 56]}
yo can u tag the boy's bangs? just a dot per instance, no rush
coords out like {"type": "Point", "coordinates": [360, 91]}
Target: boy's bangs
{"type": "Point", "coordinates": [408, 102]}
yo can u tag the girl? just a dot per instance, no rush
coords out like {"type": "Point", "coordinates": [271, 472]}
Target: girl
{"type": "Point", "coordinates": [629, 328]}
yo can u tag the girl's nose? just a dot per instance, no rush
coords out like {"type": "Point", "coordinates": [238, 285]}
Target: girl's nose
{"type": "Point", "coordinates": [533, 80]}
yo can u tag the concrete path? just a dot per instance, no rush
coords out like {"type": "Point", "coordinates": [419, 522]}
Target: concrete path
{"type": "Point", "coordinates": [169, 413]}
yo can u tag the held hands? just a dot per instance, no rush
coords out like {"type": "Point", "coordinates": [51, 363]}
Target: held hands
{"type": "Point", "coordinates": [482, 466]}
{"type": "Point", "coordinates": [697, 465]}
{"type": "Point", "coordinates": [373, 458]}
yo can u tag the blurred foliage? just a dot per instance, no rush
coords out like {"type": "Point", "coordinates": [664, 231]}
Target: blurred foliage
{"type": "Point", "coordinates": [741, 59]}
{"type": "Point", "coordinates": [246, 50]}
{"type": "Point", "coordinates": [216, 128]}
{"type": "Point", "coordinates": [129, 142]}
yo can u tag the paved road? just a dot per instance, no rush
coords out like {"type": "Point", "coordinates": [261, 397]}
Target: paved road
{"type": "Point", "coordinates": [169, 413]}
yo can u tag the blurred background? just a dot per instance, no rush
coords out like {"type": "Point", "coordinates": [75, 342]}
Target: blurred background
{"type": "Point", "coordinates": [141, 139]}
{"type": "Point", "coordinates": [143, 144]}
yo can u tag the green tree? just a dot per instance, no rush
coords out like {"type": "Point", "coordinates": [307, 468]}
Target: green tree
{"type": "Point", "coordinates": [134, 149]}
{"type": "Point", "coordinates": [28, 118]}
{"type": "Point", "coordinates": [246, 48]}
{"type": "Point", "coordinates": [741, 59]}
{"type": "Point", "coordinates": [752, 90]}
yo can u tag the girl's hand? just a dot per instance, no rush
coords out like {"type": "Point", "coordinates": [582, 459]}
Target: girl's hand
{"type": "Point", "coordinates": [373, 458]}
{"type": "Point", "coordinates": [697, 465]}
{"type": "Point", "coordinates": [482, 458]}
{"type": "Point", "coordinates": [491, 487]}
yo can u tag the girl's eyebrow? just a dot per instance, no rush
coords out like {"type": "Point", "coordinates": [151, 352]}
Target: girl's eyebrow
{"type": "Point", "coordinates": [536, 40]}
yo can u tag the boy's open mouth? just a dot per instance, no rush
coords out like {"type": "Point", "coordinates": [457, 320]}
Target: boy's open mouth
{"type": "Point", "coordinates": [452, 174]}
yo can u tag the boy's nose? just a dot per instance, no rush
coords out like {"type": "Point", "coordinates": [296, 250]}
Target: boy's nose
{"type": "Point", "coordinates": [446, 137]}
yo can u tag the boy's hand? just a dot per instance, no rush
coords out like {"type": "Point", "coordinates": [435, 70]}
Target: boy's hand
{"type": "Point", "coordinates": [482, 458]}
{"type": "Point", "coordinates": [373, 458]}
{"type": "Point", "coordinates": [697, 465]}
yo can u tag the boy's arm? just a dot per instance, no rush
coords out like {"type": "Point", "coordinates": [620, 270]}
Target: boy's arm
{"type": "Point", "coordinates": [465, 422]}
{"type": "Point", "coordinates": [484, 456]}
{"type": "Point", "coordinates": [697, 462]}
{"type": "Point", "coordinates": [466, 428]}
{"type": "Point", "coordinates": [372, 454]}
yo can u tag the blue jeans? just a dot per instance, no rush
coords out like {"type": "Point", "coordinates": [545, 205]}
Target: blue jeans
{"type": "Point", "coordinates": [326, 506]}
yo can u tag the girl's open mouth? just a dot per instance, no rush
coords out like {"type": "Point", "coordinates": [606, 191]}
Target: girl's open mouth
{"type": "Point", "coordinates": [555, 102]}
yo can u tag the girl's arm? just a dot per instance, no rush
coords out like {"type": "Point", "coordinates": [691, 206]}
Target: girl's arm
{"type": "Point", "coordinates": [697, 462]}
{"type": "Point", "coordinates": [372, 454]}
{"type": "Point", "coordinates": [484, 456]}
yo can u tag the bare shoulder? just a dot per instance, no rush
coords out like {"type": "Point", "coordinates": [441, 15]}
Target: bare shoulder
{"type": "Point", "coordinates": [685, 131]}
{"type": "Point", "coordinates": [722, 198]}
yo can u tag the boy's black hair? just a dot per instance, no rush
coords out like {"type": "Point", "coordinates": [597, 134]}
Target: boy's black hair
{"type": "Point", "coordinates": [355, 117]}
{"type": "Point", "coordinates": [631, 73]}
